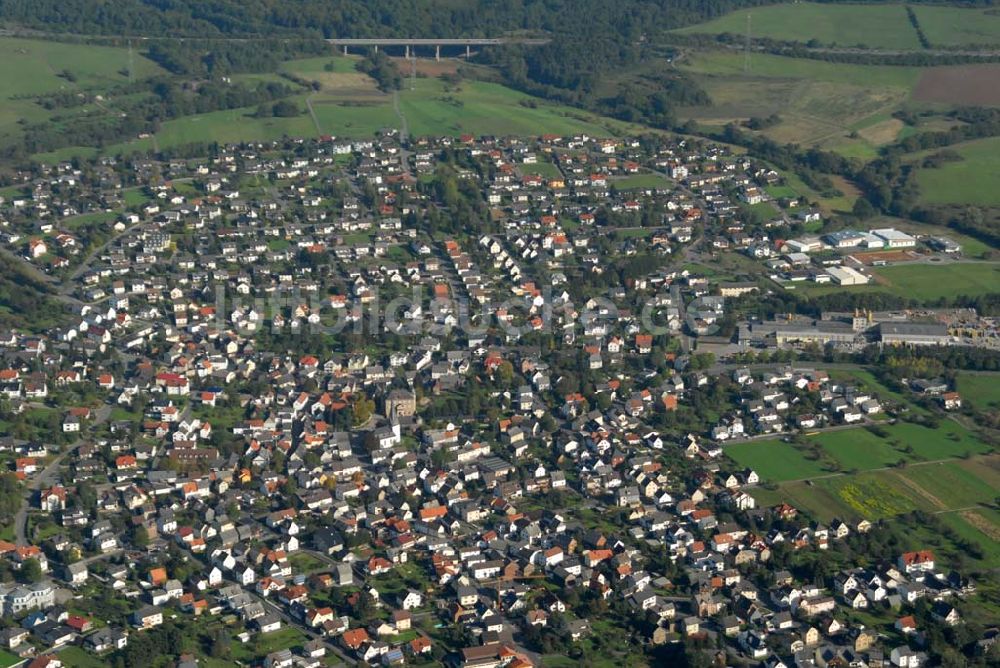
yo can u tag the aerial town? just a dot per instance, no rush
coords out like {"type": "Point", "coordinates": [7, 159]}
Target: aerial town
{"type": "Point", "coordinates": [479, 402]}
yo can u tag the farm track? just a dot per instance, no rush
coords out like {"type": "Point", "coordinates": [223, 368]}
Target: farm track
{"type": "Point", "coordinates": [980, 523]}
{"type": "Point", "coordinates": [914, 487]}
{"type": "Point", "coordinates": [312, 114]}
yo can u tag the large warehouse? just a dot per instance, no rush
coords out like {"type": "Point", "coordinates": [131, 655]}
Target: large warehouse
{"type": "Point", "coordinates": [914, 333]}
{"type": "Point", "coordinates": [847, 276]}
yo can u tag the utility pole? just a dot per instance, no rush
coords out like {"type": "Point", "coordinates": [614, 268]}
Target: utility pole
{"type": "Point", "coordinates": [746, 53]}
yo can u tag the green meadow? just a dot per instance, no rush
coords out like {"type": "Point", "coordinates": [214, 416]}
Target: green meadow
{"type": "Point", "coordinates": [349, 106]}
{"type": "Point", "coordinates": [981, 390]}
{"type": "Point", "coordinates": [857, 448]}
{"type": "Point", "coordinates": [928, 282]}
{"type": "Point", "coordinates": [30, 68]}
{"type": "Point", "coordinates": [972, 180]}
{"type": "Point", "coordinates": [951, 26]}
{"type": "Point", "coordinates": [882, 26]}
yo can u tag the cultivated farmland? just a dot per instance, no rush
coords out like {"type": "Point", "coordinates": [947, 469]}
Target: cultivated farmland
{"type": "Point", "coordinates": [960, 84]}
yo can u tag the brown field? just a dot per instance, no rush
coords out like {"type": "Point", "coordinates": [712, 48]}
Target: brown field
{"type": "Point", "coordinates": [347, 84]}
{"type": "Point", "coordinates": [885, 256]}
{"type": "Point", "coordinates": [882, 133]}
{"type": "Point", "coordinates": [961, 84]}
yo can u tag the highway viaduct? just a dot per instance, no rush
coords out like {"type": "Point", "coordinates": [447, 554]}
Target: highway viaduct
{"type": "Point", "coordinates": [408, 43]}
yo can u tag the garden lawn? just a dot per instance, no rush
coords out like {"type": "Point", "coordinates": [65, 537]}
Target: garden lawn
{"type": "Point", "coordinates": [641, 182]}
{"type": "Point", "coordinates": [74, 657]}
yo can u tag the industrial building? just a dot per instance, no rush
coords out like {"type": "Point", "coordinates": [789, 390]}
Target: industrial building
{"type": "Point", "coordinates": [847, 276]}
{"type": "Point", "coordinates": [914, 333]}
{"type": "Point", "coordinates": [893, 238]}
{"type": "Point", "coordinates": [781, 333]}
{"type": "Point", "coordinates": [944, 244]}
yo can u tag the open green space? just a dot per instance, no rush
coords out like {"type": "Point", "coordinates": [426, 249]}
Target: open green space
{"type": "Point", "coordinates": [775, 460]}
{"type": "Point", "coordinates": [76, 657]}
{"type": "Point", "coordinates": [641, 182]}
{"type": "Point", "coordinates": [947, 485]}
{"type": "Point", "coordinates": [764, 65]}
{"type": "Point", "coordinates": [306, 563]}
{"type": "Point", "coordinates": [975, 179]}
{"type": "Point", "coordinates": [336, 64]}
{"type": "Point", "coordinates": [982, 527]}
{"type": "Point", "coordinates": [982, 390]}
{"type": "Point", "coordinates": [879, 26]}
{"type": "Point", "coordinates": [858, 449]}
{"type": "Point", "coordinates": [287, 637]}
{"type": "Point", "coordinates": [478, 107]}
{"type": "Point", "coordinates": [950, 26]}
{"type": "Point", "coordinates": [934, 281]}
{"type": "Point", "coordinates": [880, 494]}
{"type": "Point", "coordinates": [839, 106]}
{"type": "Point", "coordinates": [923, 282]}
{"type": "Point", "coordinates": [863, 449]}
{"type": "Point", "coordinates": [544, 169]}
{"type": "Point", "coordinates": [33, 67]}
{"type": "Point", "coordinates": [430, 108]}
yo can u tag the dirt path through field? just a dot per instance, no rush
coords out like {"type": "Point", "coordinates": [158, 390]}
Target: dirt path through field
{"type": "Point", "coordinates": [920, 491]}
{"type": "Point", "coordinates": [991, 530]}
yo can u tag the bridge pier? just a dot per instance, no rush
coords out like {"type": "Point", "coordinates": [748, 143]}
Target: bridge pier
{"type": "Point", "coordinates": [468, 52]}
{"type": "Point", "coordinates": [345, 49]}
{"type": "Point", "coordinates": [407, 51]}
{"type": "Point", "coordinates": [376, 48]}
{"type": "Point", "coordinates": [437, 52]}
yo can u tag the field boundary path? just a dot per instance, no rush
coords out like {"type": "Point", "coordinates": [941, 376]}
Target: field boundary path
{"type": "Point", "coordinates": [312, 113]}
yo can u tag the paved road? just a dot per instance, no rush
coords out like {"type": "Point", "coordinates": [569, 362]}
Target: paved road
{"type": "Point", "coordinates": [47, 477]}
